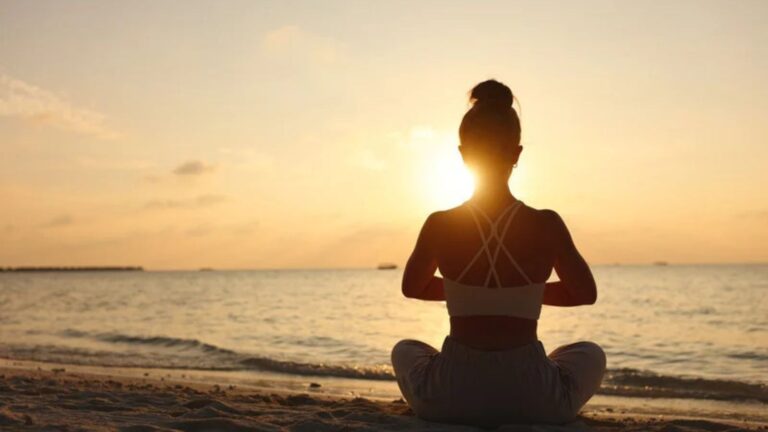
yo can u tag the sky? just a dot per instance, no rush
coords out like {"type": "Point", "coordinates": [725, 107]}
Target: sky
{"type": "Point", "coordinates": [258, 134]}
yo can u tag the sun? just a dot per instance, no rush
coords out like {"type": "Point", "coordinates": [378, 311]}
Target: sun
{"type": "Point", "coordinates": [445, 181]}
{"type": "Point", "coordinates": [448, 182]}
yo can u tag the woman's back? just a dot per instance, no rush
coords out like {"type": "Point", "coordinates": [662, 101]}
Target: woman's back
{"type": "Point", "coordinates": [528, 240]}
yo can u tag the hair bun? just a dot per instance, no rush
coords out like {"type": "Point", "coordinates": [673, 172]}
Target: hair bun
{"type": "Point", "coordinates": [491, 93]}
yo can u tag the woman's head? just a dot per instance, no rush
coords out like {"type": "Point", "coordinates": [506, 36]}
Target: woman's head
{"type": "Point", "coordinates": [490, 131]}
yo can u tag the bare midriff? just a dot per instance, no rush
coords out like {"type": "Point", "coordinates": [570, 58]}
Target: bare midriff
{"type": "Point", "coordinates": [493, 333]}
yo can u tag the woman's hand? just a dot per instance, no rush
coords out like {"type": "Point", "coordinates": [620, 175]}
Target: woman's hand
{"type": "Point", "coordinates": [434, 290]}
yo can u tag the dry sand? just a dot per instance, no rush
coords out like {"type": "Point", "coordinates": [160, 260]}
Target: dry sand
{"type": "Point", "coordinates": [52, 398]}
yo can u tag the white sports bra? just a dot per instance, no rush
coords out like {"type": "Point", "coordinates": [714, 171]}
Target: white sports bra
{"type": "Point", "coordinates": [523, 301]}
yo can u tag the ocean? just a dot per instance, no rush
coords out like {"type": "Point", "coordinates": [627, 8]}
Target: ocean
{"type": "Point", "coordinates": [668, 331]}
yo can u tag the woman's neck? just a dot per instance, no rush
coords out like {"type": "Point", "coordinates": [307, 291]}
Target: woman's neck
{"type": "Point", "coordinates": [491, 195]}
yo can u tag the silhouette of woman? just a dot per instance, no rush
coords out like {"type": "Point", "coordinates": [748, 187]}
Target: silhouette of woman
{"type": "Point", "coordinates": [495, 254]}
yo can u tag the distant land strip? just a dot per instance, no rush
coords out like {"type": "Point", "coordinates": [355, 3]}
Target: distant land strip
{"type": "Point", "coordinates": [71, 269]}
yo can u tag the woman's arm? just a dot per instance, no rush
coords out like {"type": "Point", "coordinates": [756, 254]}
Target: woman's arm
{"type": "Point", "coordinates": [577, 285]}
{"type": "Point", "coordinates": [419, 280]}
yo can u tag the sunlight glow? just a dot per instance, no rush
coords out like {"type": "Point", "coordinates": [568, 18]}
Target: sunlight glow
{"type": "Point", "coordinates": [443, 179]}
{"type": "Point", "coordinates": [448, 183]}
{"type": "Point", "coordinates": [337, 123]}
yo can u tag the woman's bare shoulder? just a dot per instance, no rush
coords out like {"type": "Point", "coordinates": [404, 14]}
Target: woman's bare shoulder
{"type": "Point", "coordinates": [553, 230]}
{"type": "Point", "coordinates": [547, 225]}
{"type": "Point", "coordinates": [545, 216]}
{"type": "Point", "coordinates": [448, 216]}
{"type": "Point", "coordinates": [441, 222]}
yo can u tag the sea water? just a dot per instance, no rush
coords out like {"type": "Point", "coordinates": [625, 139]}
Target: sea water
{"type": "Point", "coordinates": [699, 331]}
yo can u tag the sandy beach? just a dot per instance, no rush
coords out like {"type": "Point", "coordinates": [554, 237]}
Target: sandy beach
{"type": "Point", "coordinates": [39, 396]}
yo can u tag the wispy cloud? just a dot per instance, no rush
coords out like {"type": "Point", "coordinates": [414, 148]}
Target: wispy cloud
{"type": "Point", "coordinates": [59, 221]}
{"type": "Point", "coordinates": [293, 41]}
{"type": "Point", "coordinates": [32, 103]}
{"type": "Point", "coordinates": [197, 202]}
{"type": "Point", "coordinates": [192, 168]}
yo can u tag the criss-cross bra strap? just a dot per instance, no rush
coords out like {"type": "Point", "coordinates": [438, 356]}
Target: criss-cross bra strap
{"type": "Point", "coordinates": [483, 248]}
{"type": "Point", "coordinates": [500, 246]}
{"type": "Point", "coordinates": [499, 237]}
{"type": "Point", "coordinates": [486, 239]}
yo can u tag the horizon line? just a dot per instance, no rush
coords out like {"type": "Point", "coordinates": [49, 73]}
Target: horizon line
{"type": "Point", "coordinates": [85, 268]}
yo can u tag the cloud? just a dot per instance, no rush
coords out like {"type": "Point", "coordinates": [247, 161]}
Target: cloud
{"type": "Point", "coordinates": [59, 221]}
{"type": "Point", "coordinates": [192, 168]}
{"type": "Point", "coordinates": [191, 203]}
{"type": "Point", "coordinates": [293, 42]}
{"type": "Point", "coordinates": [32, 103]}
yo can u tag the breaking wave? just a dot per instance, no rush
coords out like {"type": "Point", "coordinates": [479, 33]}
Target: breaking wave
{"type": "Point", "coordinates": [179, 353]}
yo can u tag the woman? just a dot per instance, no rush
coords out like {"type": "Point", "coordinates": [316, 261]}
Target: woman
{"type": "Point", "coordinates": [496, 254]}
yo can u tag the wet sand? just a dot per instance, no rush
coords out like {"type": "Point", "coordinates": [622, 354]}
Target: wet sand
{"type": "Point", "coordinates": [50, 397]}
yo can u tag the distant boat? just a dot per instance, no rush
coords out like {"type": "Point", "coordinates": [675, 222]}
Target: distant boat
{"type": "Point", "coordinates": [660, 263]}
{"type": "Point", "coordinates": [205, 269]}
{"type": "Point", "coordinates": [387, 266]}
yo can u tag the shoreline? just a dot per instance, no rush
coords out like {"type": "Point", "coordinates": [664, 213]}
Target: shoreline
{"type": "Point", "coordinates": [36, 395]}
